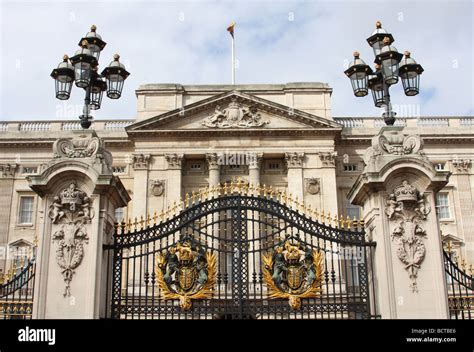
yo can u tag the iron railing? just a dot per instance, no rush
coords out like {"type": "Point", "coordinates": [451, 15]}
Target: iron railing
{"type": "Point", "coordinates": [460, 287]}
{"type": "Point", "coordinates": [17, 291]}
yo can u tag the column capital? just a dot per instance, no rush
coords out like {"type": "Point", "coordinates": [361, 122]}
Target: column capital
{"type": "Point", "coordinates": [141, 161]}
{"type": "Point", "coordinates": [328, 159]}
{"type": "Point", "coordinates": [174, 160]}
{"type": "Point", "coordinates": [213, 161]}
{"type": "Point", "coordinates": [461, 166]}
{"type": "Point", "coordinates": [294, 160]}
{"type": "Point", "coordinates": [7, 170]}
{"type": "Point", "coordinates": [255, 160]}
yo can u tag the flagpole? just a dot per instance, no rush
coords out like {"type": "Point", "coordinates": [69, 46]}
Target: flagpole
{"type": "Point", "coordinates": [233, 60]}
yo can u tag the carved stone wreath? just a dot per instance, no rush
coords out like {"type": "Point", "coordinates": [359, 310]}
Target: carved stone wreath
{"type": "Point", "coordinates": [313, 185]}
{"type": "Point", "coordinates": [70, 212]}
{"type": "Point", "coordinates": [407, 209]}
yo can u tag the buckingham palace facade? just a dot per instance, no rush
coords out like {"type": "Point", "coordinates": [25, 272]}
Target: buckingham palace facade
{"type": "Point", "coordinates": [284, 137]}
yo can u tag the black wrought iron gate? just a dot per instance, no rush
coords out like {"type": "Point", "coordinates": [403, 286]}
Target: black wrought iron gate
{"type": "Point", "coordinates": [234, 252]}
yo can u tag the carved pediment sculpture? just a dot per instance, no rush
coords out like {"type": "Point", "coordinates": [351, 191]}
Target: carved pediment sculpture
{"type": "Point", "coordinates": [70, 212]}
{"type": "Point", "coordinates": [235, 116]}
{"type": "Point", "coordinates": [407, 209]}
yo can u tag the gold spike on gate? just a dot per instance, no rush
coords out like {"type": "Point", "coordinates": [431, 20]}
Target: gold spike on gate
{"type": "Point", "coordinates": [471, 271]}
{"type": "Point", "coordinates": [186, 200]}
{"type": "Point", "coordinates": [162, 216]}
{"type": "Point", "coordinates": [155, 217]}
{"type": "Point", "coordinates": [193, 197]}
{"type": "Point", "coordinates": [449, 247]}
{"type": "Point", "coordinates": [323, 218]}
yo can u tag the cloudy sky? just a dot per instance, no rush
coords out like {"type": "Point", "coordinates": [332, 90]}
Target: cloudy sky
{"type": "Point", "coordinates": [276, 42]}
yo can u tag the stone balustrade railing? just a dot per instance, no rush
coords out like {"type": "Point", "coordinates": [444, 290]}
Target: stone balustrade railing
{"type": "Point", "coordinates": [61, 125]}
{"type": "Point", "coordinates": [424, 121]}
{"type": "Point", "coordinates": [347, 122]}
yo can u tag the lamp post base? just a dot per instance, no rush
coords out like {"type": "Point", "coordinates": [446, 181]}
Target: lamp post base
{"type": "Point", "coordinates": [389, 118]}
{"type": "Point", "coordinates": [86, 121]}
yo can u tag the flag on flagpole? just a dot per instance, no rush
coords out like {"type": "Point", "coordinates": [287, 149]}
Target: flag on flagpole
{"type": "Point", "coordinates": [230, 29]}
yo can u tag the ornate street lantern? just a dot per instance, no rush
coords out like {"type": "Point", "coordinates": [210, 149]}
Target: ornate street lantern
{"type": "Point", "coordinates": [410, 72]}
{"type": "Point", "coordinates": [388, 67]}
{"type": "Point", "coordinates": [94, 42]}
{"type": "Point", "coordinates": [83, 62]}
{"type": "Point", "coordinates": [376, 86]}
{"type": "Point", "coordinates": [115, 74]}
{"type": "Point", "coordinates": [389, 58]}
{"type": "Point", "coordinates": [98, 86]}
{"type": "Point", "coordinates": [83, 70]}
{"type": "Point", "coordinates": [377, 37]}
{"type": "Point", "coordinates": [357, 72]}
{"type": "Point", "coordinates": [63, 76]}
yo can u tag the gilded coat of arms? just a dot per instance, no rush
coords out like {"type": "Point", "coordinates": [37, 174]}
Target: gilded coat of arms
{"type": "Point", "coordinates": [186, 272]}
{"type": "Point", "coordinates": [293, 271]}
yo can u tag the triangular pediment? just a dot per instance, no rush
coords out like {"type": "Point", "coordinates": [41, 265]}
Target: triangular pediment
{"type": "Point", "coordinates": [233, 111]}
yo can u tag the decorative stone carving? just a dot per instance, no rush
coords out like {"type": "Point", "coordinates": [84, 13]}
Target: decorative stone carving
{"type": "Point", "coordinates": [7, 170]}
{"type": "Point", "coordinates": [460, 165]}
{"type": "Point", "coordinates": [406, 208]}
{"type": "Point", "coordinates": [70, 212]}
{"type": "Point", "coordinates": [92, 147]}
{"type": "Point", "coordinates": [235, 115]}
{"type": "Point", "coordinates": [294, 160]}
{"type": "Point", "coordinates": [313, 185]}
{"type": "Point", "coordinates": [157, 187]}
{"type": "Point", "coordinates": [174, 161]}
{"type": "Point", "coordinates": [328, 158]}
{"type": "Point", "coordinates": [392, 143]}
{"type": "Point", "coordinates": [255, 160]}
{"type": "Point", "coordinates": [213, 161]}
{"type": "Point", "coordinates": [140, 161]}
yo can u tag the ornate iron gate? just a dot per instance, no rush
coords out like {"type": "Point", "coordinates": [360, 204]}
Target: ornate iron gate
{"type": "Point", "coordinates": [16, 290]}
{"type": "Point", "coordinates": [240, 252]}
{"type": "Point", "coordinates": [460, 289]}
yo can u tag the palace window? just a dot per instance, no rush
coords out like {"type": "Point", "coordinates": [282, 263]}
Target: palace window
{"type": "Point", "coordinates": [442, 206]}
{"type": "Point", "coordinates": [350, 167]}
{"type": "Point", "coordinates": [352, 211]}
{"type": "Point", "coordinates": [118, 169]}
{"type": "Point", "coordinates": [440, 166]}
{"type": "Point", "coordinates": [26, 210]}
{"type": "Point", "coordinates": [29, 169]}
{"type": "Point", "coordinates": [195, 166]}
{"type": "Point", "coordinates": [274, 165]}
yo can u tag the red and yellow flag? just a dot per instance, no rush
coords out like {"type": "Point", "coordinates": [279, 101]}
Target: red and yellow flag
{"type": "Point", "coordinates": [230, 29]}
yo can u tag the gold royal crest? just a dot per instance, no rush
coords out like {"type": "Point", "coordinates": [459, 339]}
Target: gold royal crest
{"type": "Point", "coordinates": [186, 272]}
{"type": "Point", "coordinates": [293, 271]}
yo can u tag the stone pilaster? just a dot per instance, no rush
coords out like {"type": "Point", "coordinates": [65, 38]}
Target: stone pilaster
{"type": "Point", "coordinates": [214, 169]}
{"type": "Point", "coordinates": [174, 177]}
{"type": "Point", "coordinates": [255, 162]}
{"type": "Point", "coordinates": [140, 164]}
{"type": "Point", "coordinates": [80, 194]}
{"type": "Point", "coordinates": [462, 178]}
{"type": "Point", "coordinates": [294, 162]}
{"type": "Point", "coordinates": [397, 192]}
{"type": "Point", "coordinates": [7, 173]}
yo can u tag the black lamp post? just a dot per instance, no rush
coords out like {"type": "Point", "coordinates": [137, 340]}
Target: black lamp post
{"type": "Point", "coordinates": [389, 66]}
{"type": "Point", "coordinates": [82, 69]}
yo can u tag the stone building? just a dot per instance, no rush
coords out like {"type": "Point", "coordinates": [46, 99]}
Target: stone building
{"type": "Point", "coordinates": [185, 138]}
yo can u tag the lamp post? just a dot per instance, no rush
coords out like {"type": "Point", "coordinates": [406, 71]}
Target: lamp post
{"type": "Point", "coordinates": [82, 69]}
{"type": "Point", "coordinates": [389, 66]}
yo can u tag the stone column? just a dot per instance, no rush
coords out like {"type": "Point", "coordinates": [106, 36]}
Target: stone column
{"type": "Point", "coordinates": [140, 184]}
{"type": "Point", "coordinates": [214, 169]}
{"type": "Point", "coordinates": [294, 162]}
{"type": "Point", "coordinates": [7, 174]}
{"type": "Point", "coordinates": [461, 170]}
{"type": "Point", "coordinates": [174, 177]}
{"type": "Point", "coordinates": [397, 192]}
{"type": "Point", "coordinates": [255, 161]}
{"type": "Point", "coordinates": [80, 194]}
{"type": "Point", "coordinates": [328, 182]}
